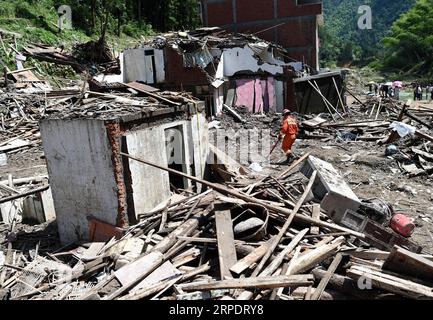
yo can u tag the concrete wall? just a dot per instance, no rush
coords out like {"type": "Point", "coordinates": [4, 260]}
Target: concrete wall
{"type": "Point", "coordinates": [139, 67]}
{"type": "Point", "coordinates": [199, 135]}
{"type": "Point", "coordinates": [242, 59]}
{"type": "Point", "coordinates": [81, 174]}
{"type": "Point", "coordinates": [150, 186]}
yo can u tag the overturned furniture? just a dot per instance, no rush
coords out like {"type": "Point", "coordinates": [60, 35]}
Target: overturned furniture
{"type": "Point", "coordinates": [94, 190]}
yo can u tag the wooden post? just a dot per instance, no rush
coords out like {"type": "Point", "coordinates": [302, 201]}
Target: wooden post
{"type": "Point", "coordinates": [339, 95]}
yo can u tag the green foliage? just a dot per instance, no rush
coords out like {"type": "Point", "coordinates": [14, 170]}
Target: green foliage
{"type": "Point", "coordinates": [409, 46]}
{"type": "Point", "coordinates": [340, 36]}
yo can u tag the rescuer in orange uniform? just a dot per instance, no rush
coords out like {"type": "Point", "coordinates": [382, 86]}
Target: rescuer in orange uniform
{"type": "Point", "coordinates": [289, 131]}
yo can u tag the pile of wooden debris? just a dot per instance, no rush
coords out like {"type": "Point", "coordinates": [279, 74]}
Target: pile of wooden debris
{"type": "Point", "coordinates": [404, 129]}
{"type": "Point", "coordinates": [247, 240]}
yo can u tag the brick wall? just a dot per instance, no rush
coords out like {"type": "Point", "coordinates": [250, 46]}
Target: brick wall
{"type": "Point", "coordinates": [176, 75]}
{"type": "Point", "coordinates": [298, 32]}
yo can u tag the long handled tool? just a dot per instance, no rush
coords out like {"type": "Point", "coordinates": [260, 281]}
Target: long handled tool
{"type": "Point", "coordinates": [275, 145]}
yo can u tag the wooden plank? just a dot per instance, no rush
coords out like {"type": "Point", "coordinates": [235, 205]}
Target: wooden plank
{"type": "Point", "coordinates": [391, 283]}
{"type": "Point", "coordinates": [314, 123]}
{"type": "Point", "coordinates": [141, 87]}
{"type": "Point", "coordinates": [403, 261]}
{"type": "Point", "coordinates": [314, 230]}
{"type": "Point", "coordinates": [254, 282]}
{"type": "Point", "coordinates": [226, 242]}
{"type": "Point", "coordinates": [139, 268]}
{"type": "Point", "coordinates": [325, 280]}
{"type": "Point", "coordinates": [294, 165]}
{"type": "Point", "coordinates": [156, 96]}
{"type": "Point", "coordinates": [273, 266]}
{"type": "Point", "coordinates": [252, 258]}
{"type": "Point", "coordinates": [164, 272]}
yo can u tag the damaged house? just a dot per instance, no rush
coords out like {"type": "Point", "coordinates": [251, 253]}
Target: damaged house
{"type": "Point", "coordinates": [237, 71]}
{"type": "Point", "coordinates": [292, 24]}
{"type": "Point", "coordinates": [94, 189]}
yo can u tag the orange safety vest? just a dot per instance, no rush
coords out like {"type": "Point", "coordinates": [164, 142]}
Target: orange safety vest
{"type": "Point", "coordinates": [290, 129]}
{"type": "Point", "coordinates": [290, 126]}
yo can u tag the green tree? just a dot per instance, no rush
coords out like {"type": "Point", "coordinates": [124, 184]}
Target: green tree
{"type": "Point", "coordinates": [409, 47]}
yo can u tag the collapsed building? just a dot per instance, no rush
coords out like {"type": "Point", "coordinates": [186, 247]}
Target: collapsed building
{"type": "Point", "coordinates": [222, 69]}
{"type": "Point", "coordinates": [292, 24]}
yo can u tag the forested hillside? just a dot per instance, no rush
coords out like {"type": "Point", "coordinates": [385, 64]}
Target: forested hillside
{"type": "Point", "coordinates": [342, 40]}
{"type": "Point", "coordinates": [38, 18]}
{"type": "Point", "coordinates": [409, 45]}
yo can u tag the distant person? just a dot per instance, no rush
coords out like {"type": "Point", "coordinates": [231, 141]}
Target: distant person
{"type": "Point", "coordinates": [419, 92]}
{"type": "Point", "coordinates": [397, 93]}
{"type": "Point", "coordinates": [376, 88]}
{"type": "Point", "coordinates": [386, 91]}
{"type": "Point", "coordinates": [288, 133]}
{"type": "Point", "coordinates": [370, 87]}
{"type": "Point", "coordinates": [431, 92]}
{"type": "Point", "coordinates": [382, 90]}
{"type": "Point", "coordinates": [427, 92]}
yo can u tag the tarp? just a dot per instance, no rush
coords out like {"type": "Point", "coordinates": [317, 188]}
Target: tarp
{"type": "Point", "coordinates": [258, 107]}
{"type": "Point", "coordinates": [245, 93]}
{"type": "Point", "coordinates": [257, 95]}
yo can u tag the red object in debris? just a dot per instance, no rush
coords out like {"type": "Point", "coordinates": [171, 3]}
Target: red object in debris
{"type": "Point", "coordinates": [402, 225]}
{"type": "Point", "coordinates": [100, 231]}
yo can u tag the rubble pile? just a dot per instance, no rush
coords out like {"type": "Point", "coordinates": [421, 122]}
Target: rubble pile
{"type": "Point", "coordinates": [261, 239]}
{"type": "Point", "coordinates": [404, 131]}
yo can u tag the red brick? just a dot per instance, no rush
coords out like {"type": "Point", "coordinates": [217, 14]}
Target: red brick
{"type": "Point", "coordinates": [248, 10]}
{"type": "Point", "coordinates": [176, 75]}
{"type": "Point", "coordinates": [220, 14]}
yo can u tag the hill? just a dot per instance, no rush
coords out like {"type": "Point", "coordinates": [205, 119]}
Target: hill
{"type": "Point", "coordinates": [342, 40]}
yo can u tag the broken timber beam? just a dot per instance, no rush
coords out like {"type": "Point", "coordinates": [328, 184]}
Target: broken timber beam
{"type": "Point", "coordinates": [325, 280]}
{"type": "Point", "coordinates": [226, 242]}
{"type": "Point", "coordinates": [312, 258]}
{"type": "Point", "coordinates": [234, 114]}
{"type": "Point", "coordinates": [403, 261]}
{"type": "Point", "coordinates": [417, 119]}
{"type": "Point", "coordinates": [251, 258]}
{"type": "Point", "coordinates": [287, 250]}
{"type": "Point", "coordinates": [397, 285]}
{"type": "Point", "coordinates": [25, 194]}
